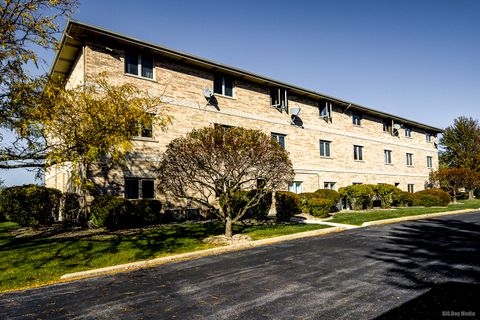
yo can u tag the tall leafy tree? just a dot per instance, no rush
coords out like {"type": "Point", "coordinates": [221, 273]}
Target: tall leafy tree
{"type": "Point", "coordinates": [461, 144]}
{"type": "Point", "coordinates": [26, 28]}
{"type": "Point", "coordinates": [209, 166]}
{"type": "Point", "coordinates": [452, 179]}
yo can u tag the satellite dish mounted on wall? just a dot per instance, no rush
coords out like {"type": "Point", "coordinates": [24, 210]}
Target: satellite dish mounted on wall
{"type": "Point", "coordinates": [397, 126]}
{"type": "Point", "coordinates": [295, 118]}
{"type": "Point", "coordinates": [207, 93]}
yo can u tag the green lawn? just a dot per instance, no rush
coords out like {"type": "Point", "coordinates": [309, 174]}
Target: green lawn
{"type": "Point", "coordinates": [26, 262]}
{"type": "Point", "coordinates": [359, 217]}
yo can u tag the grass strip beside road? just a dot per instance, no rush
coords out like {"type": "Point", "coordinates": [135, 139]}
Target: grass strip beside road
{"type": "Point", "coordinates": [33, 261]}
{"type": "Point", "coordinates": [359, 217]}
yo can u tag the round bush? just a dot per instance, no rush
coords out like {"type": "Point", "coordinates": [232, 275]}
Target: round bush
{"type": "Point", "coordinates": [359, 196]}
{"type": "Point", "coordinates": [428, 200]}
{"type": "Point", "coordinates": [386, 193]}
{"type": "Point", "coordinates": [329, 194]}
{"type": "Point", "coordinates": [443, 197]}
{"type": "Point", "coordinates": [304, 199]}
{"type": "Point", "coordinates": [71, 210]}
{"type": "Point", "coordinates": [116, 213]}
{"type": "Point", "coordinates": [320, 207]}
{"type": "Point", "coordinates": [287, 204]}
{"type": "Point", "coordinates": [30, 205]}
{"type": "Point", "coordinates": [405, 199]}
{"type": "Point", "coordinates": [258, 212]}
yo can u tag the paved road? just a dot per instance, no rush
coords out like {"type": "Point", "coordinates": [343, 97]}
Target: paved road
{"type": "Point", "coordinates": [412, 270]}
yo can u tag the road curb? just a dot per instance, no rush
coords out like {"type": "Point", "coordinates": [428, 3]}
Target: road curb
{"type": "Point", "coordinates": [417, 217]}
{"type": "Point", "coordinates": [196, 254]}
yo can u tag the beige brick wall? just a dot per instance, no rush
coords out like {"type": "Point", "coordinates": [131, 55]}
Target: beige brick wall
{"type": "Point", "coordinates": [181, 87]}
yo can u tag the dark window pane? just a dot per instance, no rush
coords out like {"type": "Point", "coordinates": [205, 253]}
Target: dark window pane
{"type": "Point", "coordinates": [147, 67]}
{"type": "Point", "coordinates": [229, 87]}
{"type": "Point", "coordinates": [131, 64]}
{"type": "Point", "coordinates": [281, 141]}
{"type": "Point", "coordinates": [131, 188]}
{"type": "Point", "coordinates": [148, 189]}
{"type": "Point", "coordinates": [147, 128]}
{"type": "Point", "coordinates": [218, 85]}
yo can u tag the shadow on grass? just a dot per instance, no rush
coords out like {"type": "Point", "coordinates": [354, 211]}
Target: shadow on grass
{"type": "Point", "coordinates": [441, 257]}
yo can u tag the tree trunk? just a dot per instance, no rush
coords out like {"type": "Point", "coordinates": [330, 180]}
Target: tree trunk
{"type": "Point", "coordinates": [228, 227]}
{"type": "Point", "coordinates": [470, 194]}
{"type": "Point", "coordinates": [454, 196]}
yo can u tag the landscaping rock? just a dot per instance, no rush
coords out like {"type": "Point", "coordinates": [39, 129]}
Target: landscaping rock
{"type": "Point", "coordinates": [223, 240]}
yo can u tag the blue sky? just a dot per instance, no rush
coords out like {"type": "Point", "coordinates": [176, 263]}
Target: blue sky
{"type": "Point", "coordinates": [416, 59]}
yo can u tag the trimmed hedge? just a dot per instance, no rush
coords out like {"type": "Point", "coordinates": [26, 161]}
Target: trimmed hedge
{"type": "Point", "coordinates": [443, 198]}
{"type": "Point", "coordinates": [405, 199]}
{"type": "Point", "coordinates": [320, 207]}
{"type": "Point", "coordinates": [386, 193]}
{"type": "Point", "coordinates": [329, 194]}
{"type": "Point", "coordinates": [71, 211]}
{"type": "Point", "coordinates": [287, 204]}
{"type": "Point", "coordinates": [359, 196]}
{"type": "Point", "coordinates": [30, 205]}
{"type": "Point", "coordinates": [116, 213]}
{"type": "Point", "coordinates": [258, 212]}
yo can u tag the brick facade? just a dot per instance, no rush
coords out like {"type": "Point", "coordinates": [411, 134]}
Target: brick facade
{"type": "Point", "coordinates": [180, 85]}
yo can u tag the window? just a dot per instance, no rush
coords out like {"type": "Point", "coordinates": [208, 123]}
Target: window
{"type": "Point", "coordinates": [279, 99]}
{"type": "Point", "coordinates": [357, 183]}
{"type": "Point", "coordinates": [325, 109]}
{"type": "Point", "coordinates": [223, 86]}
{"type": "Point", "coordinates": [261, 183]}
{"type": "Point", "coordinates": [329, 185]}
{"type": "Point", "coordinates": [387, 156]}
{"type": "Point", "coordinates": [387, 126]}
{"type": "Point", "coordinates": [357, 119]}
{"type": "Point", "coordinates": [411, 188]}
{"type": "Point", "coordinates": [144, 128]}
{"type": "Point", "coordinates": [139, 65]}
{"type": "Point", "coordinates": [408, 132]}
{"type": "Point", "coordinates": [429, 162]}
{"type": "Point", "coordinates": [295, 187]}
{"type": "Point", "coordinates": [280, 138]}
{"type": "Point", "coordinates": [139, 188]}
{"type": "Point", "coordinates": [358, 153]}
{"type": "Point", "coordinates": [324, 148]}
{"type": "Point", "coordinates": [428, 137]}
{"type": "Point", "coordinates": [409, 159]}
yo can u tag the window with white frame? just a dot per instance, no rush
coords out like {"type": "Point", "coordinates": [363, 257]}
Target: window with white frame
{"type": "Point", "coordinates": [143, 128]}
{"type": "Point", "coordinates": [408, 132]}
{"type": "Point", "coordinates": [325, 148]}
{"type": "Point", "coordinates": [387, 155]}
{"type": "Point", "coordinates": [280, 138]}
{"type": "Point", "coordinates": [279, 98]}
{"type": "Point", "coordinates": [223, 86]}
{"type": "Point", "coordinates": [325, 109]}
{"type": "Point", "coordinates": [356, 118]}
{"type": "Point", "coordinates": [139, 188]}
{"type": "Point", "coordinates": [138, 65]}
{"type": "Point", "coordinates": [411, 187]}
{"type": "Point", "coordinates": [358, 153]}
{"type": "Point", "coordinates": [329, 185]}
{"type": "Point", "coordinates": [409, 158]}
{"type": "Point", "coordinates": [429, 162]}
{"type": "Point", "coordinates": [295, 187]}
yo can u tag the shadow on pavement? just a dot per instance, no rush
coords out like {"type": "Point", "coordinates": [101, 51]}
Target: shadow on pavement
{"type": "Point", "coordinates": [440, 257]}
{"type": "Point", "coordinates": [447, 300]}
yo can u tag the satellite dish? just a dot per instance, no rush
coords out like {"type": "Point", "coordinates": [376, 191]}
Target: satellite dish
{"type": "Point", "coordinates": [207, 93]}
{"type": "Point", "coordinates": [296, 121]}
{"type": "Point", "coordinates": [397, 126]}
{"type": "Point", "coordinates": [295, 111]}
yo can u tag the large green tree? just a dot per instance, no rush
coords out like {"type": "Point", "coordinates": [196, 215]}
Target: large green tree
{"type": "Point", "coordinates": [27, 27]}
{"type": "Point", "coordinates": [461, 144]}
{"type": "Point", "coordinates": [452, 179]}
{"type": "Point", "coordinates": [209, 166]}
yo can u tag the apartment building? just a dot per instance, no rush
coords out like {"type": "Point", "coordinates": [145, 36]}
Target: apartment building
{"type": "Point", "coordinates": [332, 142]}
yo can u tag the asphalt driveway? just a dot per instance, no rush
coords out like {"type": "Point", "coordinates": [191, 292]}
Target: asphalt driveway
{"type": "Point", "coordinates": [427, 269]}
